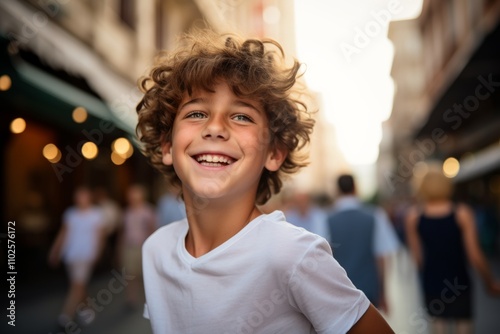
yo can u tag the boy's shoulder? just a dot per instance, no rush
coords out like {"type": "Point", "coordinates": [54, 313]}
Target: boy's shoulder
{"type": "Point", "coordinates": [288, 236]}
{"type": "Point", "coordinates": [284, 246]}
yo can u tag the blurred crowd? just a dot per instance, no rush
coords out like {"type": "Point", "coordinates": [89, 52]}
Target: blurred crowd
{"type": "Point", "coordinates": [97, 229]}
{"type": "Point", "coordinates": [422, 247]}
{"type": "Point", "coordinates": [431, 237]}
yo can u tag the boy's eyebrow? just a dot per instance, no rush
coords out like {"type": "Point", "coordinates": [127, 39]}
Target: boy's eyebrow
{"type": "Point", "coordinates": [195, 100]}
{"type": "Point", "coordinates": [239, 103]}
{"type": "Point", "coordinates": [246, 104]}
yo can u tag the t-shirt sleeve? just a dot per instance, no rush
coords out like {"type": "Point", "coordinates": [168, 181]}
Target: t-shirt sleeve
{"type": "Point", "coordinates": [145, 314]}
{"type": "Point", "coordinates": [319, 287]}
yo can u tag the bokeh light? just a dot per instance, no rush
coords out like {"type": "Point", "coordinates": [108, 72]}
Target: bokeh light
{"type": "Point", "coordinates": [129, 152]}
{"type": "Point", "coordinates": [451, 167]}
{"type": "Point", "coordinates": [121, 146]}
{"type": "Point", "coordinates": [5, 82]}
{"type": "Point", "coordinates": [89, 150]}
{"type": "Point", "coordinates": [117, 159]}
{"type": "Point", "coordinates": [18, 125]}
{"type": "Point", "coordinates": [52, 153]}
{"type": "Point", "coordinates": [79, 114]}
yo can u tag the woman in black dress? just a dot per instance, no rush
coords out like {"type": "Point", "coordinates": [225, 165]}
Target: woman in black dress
{"type": "Point", "coordinates": [443, 241]}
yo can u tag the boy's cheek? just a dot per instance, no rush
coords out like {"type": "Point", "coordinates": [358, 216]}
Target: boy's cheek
{"type": "Point", "coordinates": [264, 138]}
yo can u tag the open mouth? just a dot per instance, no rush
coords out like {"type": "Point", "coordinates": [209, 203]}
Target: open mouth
{"type": "Point", "coordinates": [214, 160]}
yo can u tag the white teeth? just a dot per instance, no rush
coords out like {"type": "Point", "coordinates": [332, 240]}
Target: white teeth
{"type": "Point", "coordinates": [214, 160]}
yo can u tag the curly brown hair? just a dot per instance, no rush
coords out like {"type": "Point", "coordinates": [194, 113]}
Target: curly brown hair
{"type": "Point", "coordinates": [253, 69]}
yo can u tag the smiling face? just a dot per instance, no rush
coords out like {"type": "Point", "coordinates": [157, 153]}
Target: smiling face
{"type": "Point", "coordinates": [220, 145]}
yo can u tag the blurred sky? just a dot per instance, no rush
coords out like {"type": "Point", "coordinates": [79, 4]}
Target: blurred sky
{"type": "Point", "coordinates": [349, 58]}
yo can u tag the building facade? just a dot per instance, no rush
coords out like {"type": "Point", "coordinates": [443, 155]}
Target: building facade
{"type": "Point", "coordinates": [68, 74]}
{"type": "Point", "coordinates": [447, 106]}
{"type": "Point", "coordinates": [68, 92]}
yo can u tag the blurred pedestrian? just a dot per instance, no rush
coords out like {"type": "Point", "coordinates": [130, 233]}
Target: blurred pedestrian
{"type": "Point", "coordinates": [442, 236]}
{"type": "Point", "coordinates": [139, 222]}
{"type": "Point", "coordinates": [170, 208]}
{"type": "Point", "coordinates": [362, 238]}
{"type": "Point", "coordinates": [79, 243]}
{"type": "Point", "coordinates": [303, 213]}
{"type": "Point", "coordinates": [112, 222]}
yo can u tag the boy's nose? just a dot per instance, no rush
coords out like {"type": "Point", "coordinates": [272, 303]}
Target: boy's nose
{"type": "Point", "coordinates": [215, 129]}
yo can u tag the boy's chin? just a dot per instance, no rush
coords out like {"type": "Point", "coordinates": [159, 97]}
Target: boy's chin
{"type": "Point", "coordinates": [209, 191]}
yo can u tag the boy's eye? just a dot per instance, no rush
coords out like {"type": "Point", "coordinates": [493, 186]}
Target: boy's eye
{"type": "Point", "coordinates": [242, 118]}
{"type": "Point", "coordinates": [195, 114]}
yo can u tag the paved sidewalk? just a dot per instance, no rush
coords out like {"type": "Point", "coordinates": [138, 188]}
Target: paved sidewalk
{"type": "Point", "coordinates": [38, 307]}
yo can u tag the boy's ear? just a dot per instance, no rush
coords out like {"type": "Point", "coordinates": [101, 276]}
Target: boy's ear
{"type": "Point", "coordinates": [166, 150]}
{"type": "Point", "coordinates": [275, 158]}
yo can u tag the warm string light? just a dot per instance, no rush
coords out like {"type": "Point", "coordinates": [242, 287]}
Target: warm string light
{"type": "Point", "coordinates": [90, 150]}
{"type": "Point", "coordinates": [52, 153]}
{"type": "Point", "coordinates": [5, 82]}
{"type": "Point", "coordinates": [121, 149]}
{"type": "Point", "coordinates": [451, 167]}
{"type": "Point", "coordinates": [18, 125]}
{"type": "Point", "coordinates": [79, 114]}
{"type": "Point", "coordinates": [117, 159]}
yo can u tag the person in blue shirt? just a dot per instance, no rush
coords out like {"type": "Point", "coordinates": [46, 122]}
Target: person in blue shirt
{"type": "Point", "coordinates": [362, 238]}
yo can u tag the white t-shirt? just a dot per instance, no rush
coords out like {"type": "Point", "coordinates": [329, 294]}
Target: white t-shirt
{"type": "Point", "coordinates": [271, 277]}
{"type": "Point", "coordinates": [83, 227]}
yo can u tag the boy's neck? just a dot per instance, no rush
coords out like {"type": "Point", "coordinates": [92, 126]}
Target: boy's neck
{"type": "Point", "coordinates": [213, 222]}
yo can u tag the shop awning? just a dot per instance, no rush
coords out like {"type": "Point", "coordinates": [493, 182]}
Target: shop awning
{"type": "Point", "coordinates": [468, 113]}
{"type": "Point", "coordinates": [482, 162]}
{"type": "Point", "coordinates": [61, 51]}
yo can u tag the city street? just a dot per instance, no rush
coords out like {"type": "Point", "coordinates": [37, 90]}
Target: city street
{"type": "Point", "coordinates": [405, 100]}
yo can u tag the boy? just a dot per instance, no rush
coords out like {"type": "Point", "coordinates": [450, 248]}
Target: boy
{"type": "Point", "coordinates": [219, 118]}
